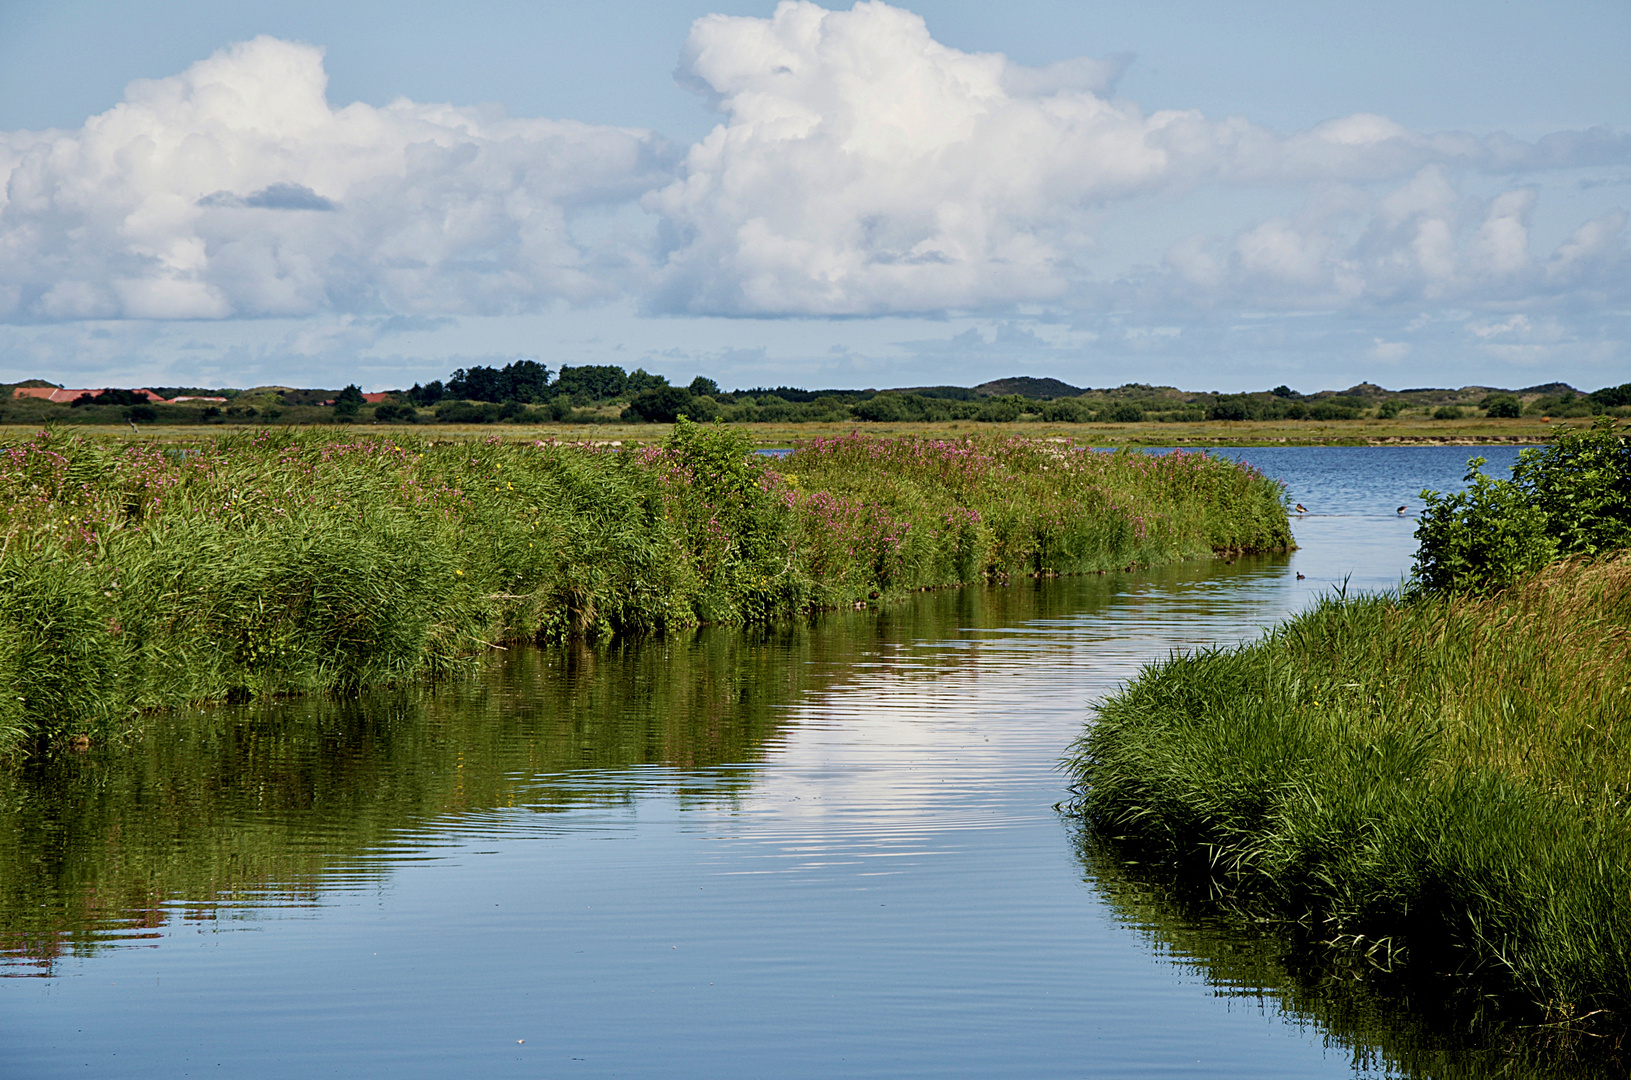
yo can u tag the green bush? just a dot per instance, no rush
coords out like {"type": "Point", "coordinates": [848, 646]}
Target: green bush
{"type": "Point", "coordinates": [1572, 497]}
{"type": "Point", "coordinates": [1448, 412]}
{"type": "Point", "coordinates": [662, 405]}
{"type": "Point", "coordinates": [1505, 406]}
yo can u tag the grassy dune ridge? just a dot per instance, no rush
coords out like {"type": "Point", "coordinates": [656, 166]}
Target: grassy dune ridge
{"type": "Point", "coordinates": [278, 561]}
{"type": "Point", "coordinates": [1443, 782]}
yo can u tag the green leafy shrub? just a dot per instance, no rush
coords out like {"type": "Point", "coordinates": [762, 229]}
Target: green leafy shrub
{"type": "Point", "coordinates": [1448, 412]}
{"type": "Point", "coordinates": [1505, 406]}
{"type": "Point", "coordinates": [662, 405]}
{"type": "Point", "coordinates": [1572, 497]}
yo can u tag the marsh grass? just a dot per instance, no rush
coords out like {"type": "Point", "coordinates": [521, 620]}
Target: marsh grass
{"type": "Point", "coordinates": [1441, 785]}
{"type": "Point", "coordinates": [141, 576]}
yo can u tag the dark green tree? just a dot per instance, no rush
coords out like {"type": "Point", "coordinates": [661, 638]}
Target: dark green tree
{"type": "Point", "coordinates": [347, 402]}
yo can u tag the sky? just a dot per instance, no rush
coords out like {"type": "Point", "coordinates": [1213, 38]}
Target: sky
{"type": "Point", "coordinates": [1207, 195]}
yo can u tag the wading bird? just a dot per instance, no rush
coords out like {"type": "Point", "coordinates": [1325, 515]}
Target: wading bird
{"type": "Point", "coordinates": [1402, 509]}
{"type": "Point", "coordinates": [1301, 509]}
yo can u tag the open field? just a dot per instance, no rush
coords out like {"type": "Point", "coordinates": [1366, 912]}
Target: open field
{"type": "Point", "coordinates": [1402, 432]}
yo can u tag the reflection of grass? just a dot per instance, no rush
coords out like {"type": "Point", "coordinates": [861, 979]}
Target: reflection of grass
{"type": "Point", "coordinates": [1407, 430]}
{"type": "Point", "coordinates": [218, 808]}
{"type": "Point", "coordinates": [211, 813]}
{"type": "Point", "coordinates": [143, 576]}
{"type": "Point", "coordinates": [1443, 781]}
{"type": "Point", "coordinates": [1388, 1023]}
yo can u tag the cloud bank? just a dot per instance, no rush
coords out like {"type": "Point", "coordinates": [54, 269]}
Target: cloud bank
{"type": "Point", "coordinates": [236, 189]}
{"type": "Point", "coordinates": [864, 168]}
{"type": "Point", "coordinates": [860, 169]}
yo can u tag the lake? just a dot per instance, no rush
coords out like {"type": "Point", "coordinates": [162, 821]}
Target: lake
{"type": "Point", "coordinates": [825, 849]}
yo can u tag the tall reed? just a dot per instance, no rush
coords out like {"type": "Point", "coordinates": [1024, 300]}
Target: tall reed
{"type": "Point", "coordinates": [1441, 783]}
{"type": "Point", "coordinates": [135, 577]}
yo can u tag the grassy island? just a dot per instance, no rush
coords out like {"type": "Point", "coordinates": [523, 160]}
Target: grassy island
{"type": "Point", "coordinates": [269, 562]}
{"type": "Point", "coordinates": [1438, 781]}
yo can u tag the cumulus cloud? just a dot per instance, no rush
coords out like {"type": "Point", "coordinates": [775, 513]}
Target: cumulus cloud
{"type": "Point", "coordinates": [236, 189]}
{"type": "Point", "coordinates": [860, 168]}
{"type": "Point", "coordinates": [863, 168]}
{"type": "Point", "coordinates": [1421, 242]}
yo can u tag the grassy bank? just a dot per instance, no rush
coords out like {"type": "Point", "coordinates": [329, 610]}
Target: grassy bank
{"type": "Point", "coordinates": [1440, 784]}
{"type": "Point", "coordinates": [140, 576]}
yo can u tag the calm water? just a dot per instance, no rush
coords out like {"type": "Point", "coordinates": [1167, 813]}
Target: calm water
{"type": "Point", "coordinates": [823, 850]}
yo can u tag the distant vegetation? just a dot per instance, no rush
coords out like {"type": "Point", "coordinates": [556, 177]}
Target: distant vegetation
{"type": "Point", "coordinates": [1433, 783]}
{"type": "Point", "coordinates": [528, 392]}
{"type": "Point", "coordinates": [280, 561]}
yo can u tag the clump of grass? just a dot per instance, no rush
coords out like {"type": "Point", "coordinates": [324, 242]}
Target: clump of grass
{"type": "Point", "coordinates": [913, 512]}
{"type": "Point", "coordinates": [277, 562]}
{"type": "Point", "coordinates": [1441, 783]}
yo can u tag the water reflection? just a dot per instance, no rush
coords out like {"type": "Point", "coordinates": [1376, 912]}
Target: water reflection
{"type": "Point", "coordinates": [270, 805]}
{"type": "Point", "coordinates": [1389, 1027]}
{"type": "Point", "coordinates": [821, 848]}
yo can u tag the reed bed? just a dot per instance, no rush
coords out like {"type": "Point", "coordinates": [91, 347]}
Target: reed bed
{"type": "Point", "coordinates": [141, 576]}
{"type": "Point", "coordinates": [1440, 784]}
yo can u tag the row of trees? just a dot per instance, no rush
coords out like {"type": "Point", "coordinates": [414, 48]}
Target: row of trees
{"type": "Point", "coordinates": [527, 382]}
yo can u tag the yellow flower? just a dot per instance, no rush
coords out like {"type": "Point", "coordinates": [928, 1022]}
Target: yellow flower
{"type": "Point", "coordinates": [459, 572]}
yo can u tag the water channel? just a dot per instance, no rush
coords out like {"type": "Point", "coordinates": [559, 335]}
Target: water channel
{"type": "Point", "coordinates": [820, 850]}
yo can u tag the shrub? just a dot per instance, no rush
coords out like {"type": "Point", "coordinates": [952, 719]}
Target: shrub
{"type": "Point", "coordinates": [466, 412]}
{"type": "Point", "coordinates": [1123, 412]}
{"type": "Point", "coordinates": [1064, 410]}
{"type": "Point", "coordinates": [1572, 497]}
{"type": "Point", "coordinates": [1447, 412]}
{"type": "Point", "coordinates": [663, 405]}
{"type": "Point", "coordinates": [1388, 410]}
{"type": "Point", "coordinates": [1336, 408]}
{"type": "Point", "coordinates": [1505, 406]}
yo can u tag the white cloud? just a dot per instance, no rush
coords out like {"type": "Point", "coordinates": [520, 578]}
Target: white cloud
{"type": "Point", "coordinates": [1422, 242]}
{"type": "Point", "coordinates": [860, 168]}
{"type": "Point", "coordinates": [236, 189]}
{"type": "Point", "coordinates": [863, 168]}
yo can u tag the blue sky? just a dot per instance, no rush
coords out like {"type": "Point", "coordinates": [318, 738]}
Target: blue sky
{"type": "Point", "coordinates": [1208, 195]}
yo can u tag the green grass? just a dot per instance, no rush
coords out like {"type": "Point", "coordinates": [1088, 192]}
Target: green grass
{"type": "Point", "coordinates": [1439, 785]}
{"type": "Point", "coordinates": [138, 576]}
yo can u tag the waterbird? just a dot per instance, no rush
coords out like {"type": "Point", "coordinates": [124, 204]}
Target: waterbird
{"type": "Point", "coordinates": [1402, 509]}
{"type": "Point", "coordinates": [1301, 509]}
{"type": "Point", "coordinates": [1301, 576]}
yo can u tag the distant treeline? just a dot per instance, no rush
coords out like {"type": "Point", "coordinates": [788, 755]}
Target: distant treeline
{"type": "Point", "coordinates": [528, 392]}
